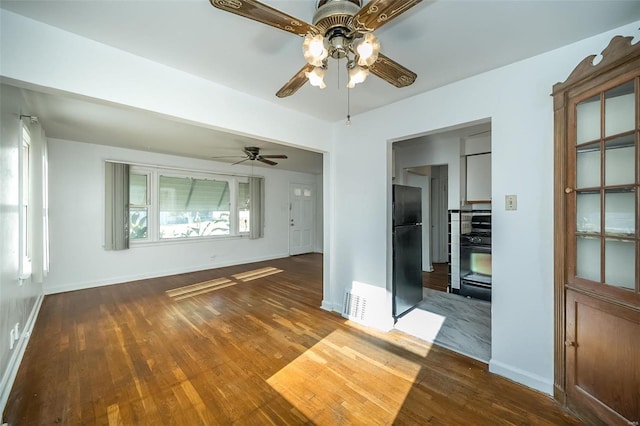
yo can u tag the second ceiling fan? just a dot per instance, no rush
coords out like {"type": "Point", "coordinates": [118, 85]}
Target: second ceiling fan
{"type": "Point", "coordinates": [340, 29]}
{"type": "Point", "coordinates": [252, 153]}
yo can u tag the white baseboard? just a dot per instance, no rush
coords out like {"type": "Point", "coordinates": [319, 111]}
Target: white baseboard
{"type": "Point", "coordinates": [327, 306]}
{"type": "Point", "coordinates": [522, 377]}
{"type": "Point", "coordinates": [10, 373]}
{"type": "Point", "coordinates": [49, 289]}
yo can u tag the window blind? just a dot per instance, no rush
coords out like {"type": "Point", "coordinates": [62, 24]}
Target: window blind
{"type": "Point", "coordinates": [116, 206]}
{"type": "Point", "coordinates": [256, 195]}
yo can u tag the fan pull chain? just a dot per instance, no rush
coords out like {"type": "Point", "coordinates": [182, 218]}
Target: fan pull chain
{"type": "Point", "coordinates": [348, 107]}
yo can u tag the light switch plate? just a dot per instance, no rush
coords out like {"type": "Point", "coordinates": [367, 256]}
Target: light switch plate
{"type": "Point", "coordinates": [511, 202]}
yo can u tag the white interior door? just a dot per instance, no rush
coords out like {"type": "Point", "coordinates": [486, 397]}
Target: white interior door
{"type": "Point", "coordinates": [422, 182]}
{"type": "Point", "coordinates": [439, 204]}
{"type": "Point", "coordinates": [301, 218]}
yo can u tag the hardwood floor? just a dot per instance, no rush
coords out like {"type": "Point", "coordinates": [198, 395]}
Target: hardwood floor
{"type": "Point", "coordinates": [438, 279]}
{"type": "Point", "coordinates": [246, 345]}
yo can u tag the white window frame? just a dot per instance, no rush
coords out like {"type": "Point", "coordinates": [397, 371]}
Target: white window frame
{"type": "Point", "coordinates": [153, 193]}
{"type": "Point", "coordinates": [239, 180]}
{"type": "Point", "coordinates": [24, 158]}
{"type": "Point", "coordinates": [150, 215]}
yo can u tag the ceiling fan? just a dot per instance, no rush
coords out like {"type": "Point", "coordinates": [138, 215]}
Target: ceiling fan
{"type": "Point", "coordinates": [340, 29]}
{"type": "Point", "coordinates": [253, 153]}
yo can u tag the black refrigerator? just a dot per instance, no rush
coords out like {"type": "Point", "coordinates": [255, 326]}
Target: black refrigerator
{"type": "Point", "coordinates": [407, 249]}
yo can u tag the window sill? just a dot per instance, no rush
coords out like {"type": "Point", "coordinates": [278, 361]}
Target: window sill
{"type": "Point", "coordinates": [178, 241]}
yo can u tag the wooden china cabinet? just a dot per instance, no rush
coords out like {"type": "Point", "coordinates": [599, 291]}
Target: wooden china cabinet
{"type": "Point", "coordinates": [597, 237]}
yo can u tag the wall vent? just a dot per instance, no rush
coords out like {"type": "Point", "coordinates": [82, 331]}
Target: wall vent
{"type": "Point", "coordinates": [355, 306]}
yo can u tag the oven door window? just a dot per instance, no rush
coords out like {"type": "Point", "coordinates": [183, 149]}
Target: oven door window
{"type": "Point", "coordinates": [475, 263]}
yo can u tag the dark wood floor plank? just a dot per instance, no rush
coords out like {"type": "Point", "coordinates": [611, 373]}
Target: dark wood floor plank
{"type": "Point", "coordinates": [438, 279]}
{"type": "Point", "coordinates": [260, 351]}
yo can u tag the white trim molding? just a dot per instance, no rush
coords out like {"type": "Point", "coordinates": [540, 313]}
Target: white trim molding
{"type": "Point", "coordinates": [523, 377]}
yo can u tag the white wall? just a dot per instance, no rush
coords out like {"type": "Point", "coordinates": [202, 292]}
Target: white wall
{"type": "Point", "coordinates": [516, 99]}
{"type": "Point", "coordinates": [18, 301]}
{"type": "Point", "coordinates": [435, 150]}
{"type": "Point", "coordinates": [78, 259]}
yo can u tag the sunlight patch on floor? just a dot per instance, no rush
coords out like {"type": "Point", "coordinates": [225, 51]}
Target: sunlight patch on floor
{"type": "Point", "coordinates": [418, 347]}
{"type": "Point", "coordinates": [423, 324]}
{"type": "Point", "coordinates": [199, 288]}
{"type": "Point", "coordinates": [379, 380]}
{"type": "Point", "coordinates": [257, 273]}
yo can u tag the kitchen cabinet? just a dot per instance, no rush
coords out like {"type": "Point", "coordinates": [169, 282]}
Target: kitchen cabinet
{"type": "Point", "coordinates": [479, 178]}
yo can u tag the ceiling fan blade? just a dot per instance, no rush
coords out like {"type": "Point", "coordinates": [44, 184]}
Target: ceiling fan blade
{"type": "Point", "coordinates": [274, 156]}
{"type": "Point", "coordinates": [269, 162]}
{"type": "Point", "coordinates": [296, 82]}
{"type": "Point", "coordinates": [241, 161]}
{"type": "Point", "coordinates": [376, 13]}
{"type": "Point", "coordinates": [266, 14]}
{"type": "Point", "coordinates": [392, 72]}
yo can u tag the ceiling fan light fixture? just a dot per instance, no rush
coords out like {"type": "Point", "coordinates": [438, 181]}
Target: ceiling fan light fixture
{"type": "Point", "coordinates": [316, 77]}
{"type": "Point", "coordinates": [341, 29]}
{"type": "Point", "coordinates": [357, 75]}
{"type": "Point", "coordinates": [368, 49]}
{"type": "Point", "coordinates": [314, 49]}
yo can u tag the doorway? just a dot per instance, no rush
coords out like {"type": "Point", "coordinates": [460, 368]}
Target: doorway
{"type": "Point", "coordinates": [301, 218]}
{"type": "Point", "coordinates": [437, 160]}
{"type": "Point", "coordinates": [420, 178]}
{"type": "Point", "coordinates": [439, 221]}
{"type": "Point", "coordinates": [433, 180]}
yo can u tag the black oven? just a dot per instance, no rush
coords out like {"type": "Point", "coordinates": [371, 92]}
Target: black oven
{"type": "Point", "coordinates": [475, 257]}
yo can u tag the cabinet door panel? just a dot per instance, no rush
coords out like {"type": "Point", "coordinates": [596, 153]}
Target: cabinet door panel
{"type": "Point", "coordinates": [479, 177]}
{"type": "Point", "coordinates": [603, 359]}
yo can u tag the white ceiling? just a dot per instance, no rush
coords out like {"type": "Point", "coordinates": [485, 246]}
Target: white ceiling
{"type": "Point", "coordinates": [442, 41]}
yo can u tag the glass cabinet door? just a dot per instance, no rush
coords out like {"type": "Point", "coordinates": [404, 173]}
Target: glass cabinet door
{"type": "Point", "coordinates": [606, 183]}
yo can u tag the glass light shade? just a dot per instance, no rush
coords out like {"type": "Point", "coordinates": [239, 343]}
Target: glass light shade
{"type": "Point", "coordinates": [357, 75]}
{"type": "Point", "coordinates": [314, 50]}
{"type": "Point", "coordinates": [316, 77]}
{"type": "Point", "coordinates": [368, 50]}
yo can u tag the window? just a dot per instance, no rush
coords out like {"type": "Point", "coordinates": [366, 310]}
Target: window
{"type": "Point", "coordinates": [243, 208]}
{"type": "Point", "coordinates": [192, 207]}
{"type": "Point", "coordinates": [138, 206]}
{"type": "Point", "coordinates": [25, 216]}
{"type": "Point", "coordinates": [166, 205]}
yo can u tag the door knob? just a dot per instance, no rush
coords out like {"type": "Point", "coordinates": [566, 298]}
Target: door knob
{"type": "Point", "coordinates": [571, 344]}
{"type": "Point", "coordinates": [568, 190]}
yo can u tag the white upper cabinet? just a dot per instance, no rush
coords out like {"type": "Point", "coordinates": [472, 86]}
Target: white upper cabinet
{"type": "Point", "coordinates": [479, 178]}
